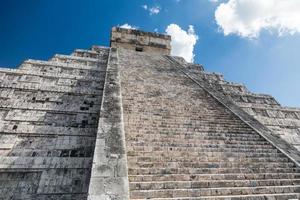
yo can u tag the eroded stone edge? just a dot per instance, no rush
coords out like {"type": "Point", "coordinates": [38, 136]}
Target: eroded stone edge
{"type": "Point", "coordinates": [109, 177]}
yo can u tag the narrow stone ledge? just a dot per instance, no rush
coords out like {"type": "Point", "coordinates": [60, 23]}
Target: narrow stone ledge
{"type": "Point", "coordinates": [109, 179]}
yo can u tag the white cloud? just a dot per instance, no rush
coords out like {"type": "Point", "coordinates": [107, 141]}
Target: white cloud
{"type": "Point", "coordinates": [127, 26]}
{"type": "Point", "coordinates": [214, 1]}
{"type": "Point", "coordinates": [152, 10]}
{"type": "Point", "coordinates": [247, 18]}
{"type": "Point", "coordinates": [183, 42]}
{"type": "Point", "coordinates": [145, 7]}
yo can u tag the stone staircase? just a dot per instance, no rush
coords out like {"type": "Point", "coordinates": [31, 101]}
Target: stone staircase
{"type": "Point", "coordinates": [49, 113]}
{"type": "Point", "coordinates": [183, 144]}
{"type": "Point", "coordinates": [283, 121]}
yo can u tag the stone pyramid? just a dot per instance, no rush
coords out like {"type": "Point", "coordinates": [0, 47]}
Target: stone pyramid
{"type": "Point", "coordinates": [130, 121]}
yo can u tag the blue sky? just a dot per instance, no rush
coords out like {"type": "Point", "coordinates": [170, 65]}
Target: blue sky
{"type": "Point", "coordinates": [38, 29]}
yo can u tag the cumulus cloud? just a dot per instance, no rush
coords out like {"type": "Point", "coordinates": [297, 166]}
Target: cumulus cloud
{"type": "Point", "coordinates": [152, 10]}
{"type": "Point", "coordinates": [247, 18]}
{"type": "Point", "coordinates": [127, 26]}
{"type": "Point", "coordinates": [182, 42]}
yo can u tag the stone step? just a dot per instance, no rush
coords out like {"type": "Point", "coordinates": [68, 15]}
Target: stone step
{"type": "Point", "coordinates": [52, 88]}
{"type": "Point", "coordinates": [72, 57]}
{"type": "Point", "coordinates": [196, 136]}
{"type": "Point", "coordinates": [219, 114]}
{"type": "Point", "coordinates": [68, 107]}
{"type": "Point", "coordinates": [211, 165]}
{"type": "Point", "coordinates": [63, 152]}
{"type": "Point", "coordinates": [39, 73]}
{"type": "Point", "coordinates": [59, 196]}
{"type": "Point", "coordinates": [33, 129]}
{"type": "Point", "coordinates": [44, 162]}
{"type": "Point", "coordinates": [192, 171]}
{"type": "Point", "coordinates": [68, 78]}
{"type": "Point", "coordinates": [210, 184]}
{"type": "Point", "coordinates": [68, 59]}
{"type": "Point", "coordinates": [286, 196]}
{"type": "Point", "coordinates": [190, 135]}
{"type": "Point", "coordinates": [91, 53]}
{"type": "Point", "coordinates": [208, 110]}
{"type": "Point", "coordinates": [185, 131]}
{"type": "Point", "coordinates": [197, 121]}
{"type": "Point", "coordinates": [195, 141]}
{"type": "Point", "coordinates": [174, 130]}
{"type": "Point", "coordinates": [202, 177]}
{"type": "Point", "coordinates": [44, 96]}
{"type": "Point", "coordinates": [53, 118]}
{"type": "Point", "coordinates": [198, 145]}
{"type": "Point", "coordinates": [100, 48]}
{"type": "Point", "coordinates": [156, 128]}
{"type": "Point", "coordinates": [155, 158]}
{"type": "Point", "coordinates": [86, 54]}
{"type": "Point", "coordinates": [204, 154]}
{"type": "Point", "coordinates": [207, 105]}
{"type": "Point", "coordinates": [174, 193]}
{"type": "Point", "coordinates": [52, 66]}
{"type": "Point", "coordinates": [203, 149]}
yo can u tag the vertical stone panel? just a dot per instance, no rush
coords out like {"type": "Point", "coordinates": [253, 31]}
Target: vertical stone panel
{"type": "Point", "coordinates": [109, 179]}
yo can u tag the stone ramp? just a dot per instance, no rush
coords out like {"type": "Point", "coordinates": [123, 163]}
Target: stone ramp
{"type": "Point", "coordinates": [183, 144]}
{"type": "Point", "coordinates": [49, 114]}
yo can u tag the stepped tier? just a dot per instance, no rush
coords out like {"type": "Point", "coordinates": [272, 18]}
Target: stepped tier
{"type": "Point", "coordinates": [49, 113]}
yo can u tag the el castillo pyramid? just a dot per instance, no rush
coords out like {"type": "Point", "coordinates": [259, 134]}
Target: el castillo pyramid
{"type": "Point", "coordinates": [130, 121]}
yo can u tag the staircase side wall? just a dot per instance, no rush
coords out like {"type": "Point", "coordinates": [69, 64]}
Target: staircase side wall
{"type": "Point", "coordinates": [109, 179]}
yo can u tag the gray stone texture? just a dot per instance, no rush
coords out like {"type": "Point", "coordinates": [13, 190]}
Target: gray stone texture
{"type": "Point", "coordinates": [151, 43]}
{"type": "Point", "coordinates": [109, 179]}
{"type": "Point", "coordinates": [187, 141]}
{"type": "Point", "coordinates": [133, 122]}
{"type": "Point", "coordinates": [49, 112]}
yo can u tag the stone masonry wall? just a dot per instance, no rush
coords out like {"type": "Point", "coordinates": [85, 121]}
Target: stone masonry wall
{"type": "Point", "coordinates": [152, 43]}
{"type": "Point", "coordinates": [49, 114]}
